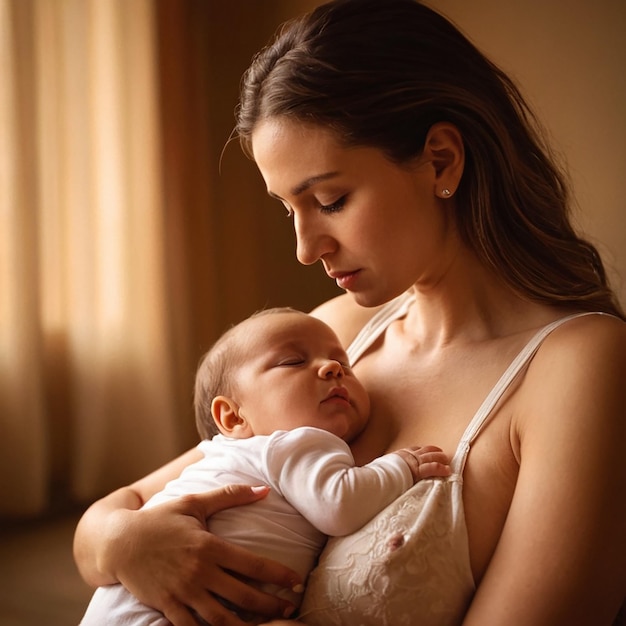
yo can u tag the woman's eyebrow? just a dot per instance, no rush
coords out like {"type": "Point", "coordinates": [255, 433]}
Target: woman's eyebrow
{"type": "Point", "coordinates": [306, 184]}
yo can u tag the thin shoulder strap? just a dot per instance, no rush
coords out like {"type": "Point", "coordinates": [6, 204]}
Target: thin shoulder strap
{"type": "Point", "coordinates": [393, 310]}
{"type": "Point", "coordinates": [521, 360]}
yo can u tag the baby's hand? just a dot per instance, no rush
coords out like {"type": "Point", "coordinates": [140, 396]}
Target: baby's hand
{"type": "Point", "coordinates": [425, 461]}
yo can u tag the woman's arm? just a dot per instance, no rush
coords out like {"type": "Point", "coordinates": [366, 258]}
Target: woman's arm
{"type": "Point", "coordinates": [167, 559]}
{"type": "Point", "coordinates": [105, 521]}
{"type": "Point", "coordinates": [561, 558]}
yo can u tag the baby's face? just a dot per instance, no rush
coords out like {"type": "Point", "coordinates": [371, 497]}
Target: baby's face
{"type": "Point", "coordinates": [297, 374]}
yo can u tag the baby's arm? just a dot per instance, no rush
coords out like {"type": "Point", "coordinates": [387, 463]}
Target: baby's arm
{"type": "Point", "coordinates": [316, 473]}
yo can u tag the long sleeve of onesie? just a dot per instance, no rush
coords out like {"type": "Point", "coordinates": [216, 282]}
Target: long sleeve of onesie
{"type": "Point", "coordinates": [316, 473]}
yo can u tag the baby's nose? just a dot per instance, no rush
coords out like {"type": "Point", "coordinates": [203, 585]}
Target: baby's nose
{"type": "Point", "coordinates": [331, 368]}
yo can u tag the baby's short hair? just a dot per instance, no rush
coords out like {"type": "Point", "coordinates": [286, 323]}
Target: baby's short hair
{"type": "Point", "coordinates": [215, 374]}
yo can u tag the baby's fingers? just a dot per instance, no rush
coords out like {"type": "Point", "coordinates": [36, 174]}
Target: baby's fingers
{"type": "Point", "coordinates": [426, 461]}
{"type": "Point", "coordinates": [433, 469]}
{"type": "Point", "coordinates": [432, 462]}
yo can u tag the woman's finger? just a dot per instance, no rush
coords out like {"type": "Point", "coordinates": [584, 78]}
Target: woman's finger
{"type": "Point", "coordinates": [212, 611]}
{"type": "Point", "coordinates": [224, 569]}
{"type": "Point", "coordinates": [203, 505]}
{"type": "Point", "coordinates": [228, 555]}
{"type": "Point", "coordinates": [246, 598]}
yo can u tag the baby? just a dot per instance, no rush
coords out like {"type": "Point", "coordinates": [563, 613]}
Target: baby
{"type": "Point", "coordinates": [277, 404]}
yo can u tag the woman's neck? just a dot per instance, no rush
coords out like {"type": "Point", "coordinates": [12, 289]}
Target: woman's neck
{"type": "Point", "coordinates": [469, 303]}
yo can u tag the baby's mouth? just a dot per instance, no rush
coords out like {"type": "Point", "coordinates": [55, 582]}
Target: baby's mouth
{"type": "Point", "coordinates": [338, 393]}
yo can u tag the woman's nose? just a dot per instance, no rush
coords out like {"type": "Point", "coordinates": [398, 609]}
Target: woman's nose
{"type": "Point", "coordinates": [311, 242]}
{"type": "Point", "coordinates": [331, 369]}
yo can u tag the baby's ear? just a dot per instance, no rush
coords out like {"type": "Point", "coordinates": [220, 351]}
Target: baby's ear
{"type": "Point", "coordinates": [228, 418]}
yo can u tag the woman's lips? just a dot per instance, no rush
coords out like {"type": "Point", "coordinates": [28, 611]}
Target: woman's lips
{"type": "Point", "coordinates": [345, 280]}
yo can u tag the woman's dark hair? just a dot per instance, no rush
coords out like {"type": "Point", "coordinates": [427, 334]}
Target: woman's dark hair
{"type": "Point", "coordinates": [380, 73]}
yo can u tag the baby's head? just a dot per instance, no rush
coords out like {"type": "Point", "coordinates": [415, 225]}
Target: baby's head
{"type": "Point", "coordinates": [277, 370]}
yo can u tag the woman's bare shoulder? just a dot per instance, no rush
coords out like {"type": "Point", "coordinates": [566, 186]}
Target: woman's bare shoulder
{"type": "Point", "coordinates": [344, 316]}
{"type": "Point", "coordinates": [583, 360]}
{"type": "Point", "coordinates": [597, 341]}
{"type": "Point", "coordinates": [574, 390]}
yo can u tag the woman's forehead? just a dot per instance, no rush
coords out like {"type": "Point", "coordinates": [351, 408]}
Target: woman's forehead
{"type": "Point", "coordinates": [287, 129]}
{"type": "Point", "coordinates": [293, 157]}
{"type": "Point", "coordinates": [282, 145]}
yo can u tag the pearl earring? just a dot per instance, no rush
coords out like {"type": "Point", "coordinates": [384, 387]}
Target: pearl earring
{"type": "Point", "coordinates": [445, 192]}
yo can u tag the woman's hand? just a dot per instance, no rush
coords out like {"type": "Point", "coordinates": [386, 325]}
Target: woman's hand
{"type": "Point", "coordinates": [167, 559]}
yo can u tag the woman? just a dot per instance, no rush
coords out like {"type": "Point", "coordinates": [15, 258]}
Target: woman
{"type": "Point", "coordinates": [414, 171]}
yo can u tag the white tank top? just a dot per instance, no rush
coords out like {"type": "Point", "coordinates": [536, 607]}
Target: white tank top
{"type": "Point", "coordinates": [410, 565]}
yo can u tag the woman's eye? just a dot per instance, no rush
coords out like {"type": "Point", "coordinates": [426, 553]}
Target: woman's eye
{"type": "Point", "coordinates": [335, 207]}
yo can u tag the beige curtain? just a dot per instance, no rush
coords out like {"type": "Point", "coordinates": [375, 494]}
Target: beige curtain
{"type": "Point", "coordinates": [86, 394]}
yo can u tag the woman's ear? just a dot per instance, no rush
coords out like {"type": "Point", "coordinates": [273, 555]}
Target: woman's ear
{"type": "Point", "coordinates": [445, 151]}
{"type": "Point", "coordinates": [228, 418]}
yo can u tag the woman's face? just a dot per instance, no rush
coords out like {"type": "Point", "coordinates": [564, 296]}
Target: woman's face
{"type": "Point", "coordinates": [377, 227]}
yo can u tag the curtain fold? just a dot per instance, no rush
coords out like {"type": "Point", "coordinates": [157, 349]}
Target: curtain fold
{"type": "Point", "coordinates": [24, 457]}
{"type": "Point", "coordinates": [85, 335]}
